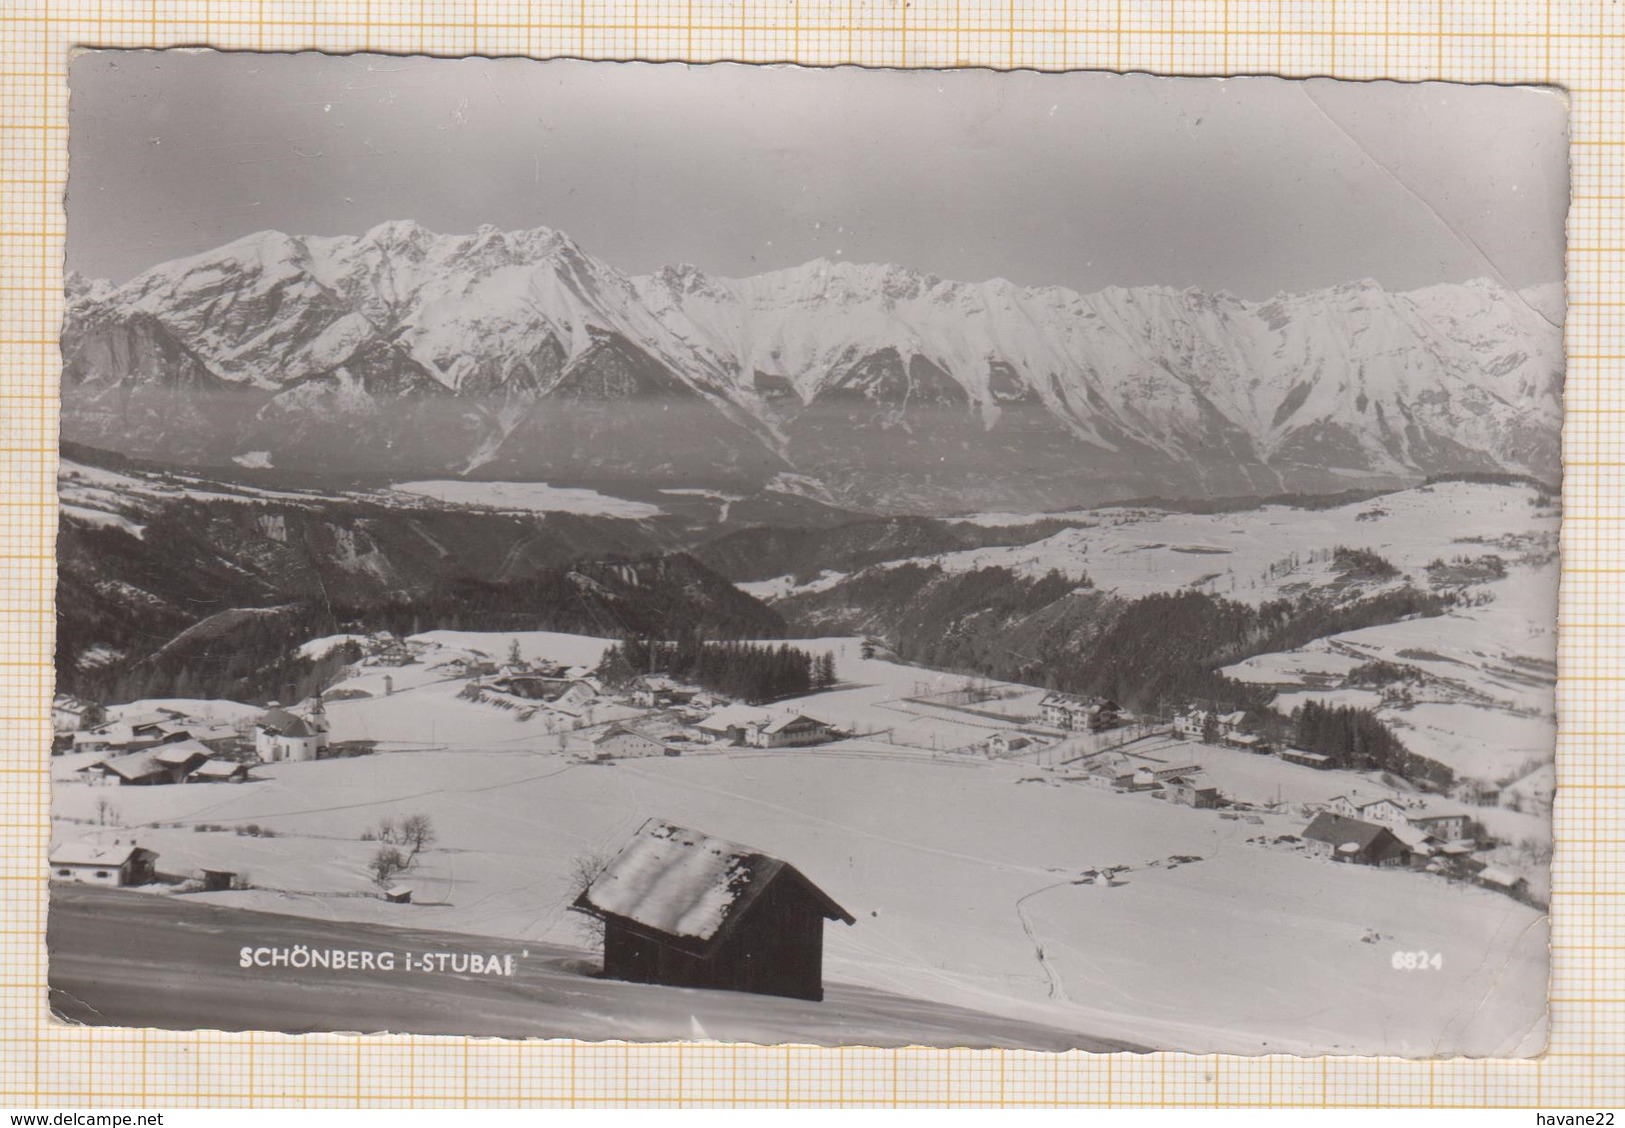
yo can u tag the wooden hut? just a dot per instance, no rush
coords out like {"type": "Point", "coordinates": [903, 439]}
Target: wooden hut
{"type": "Point", "coordinates": [687, 910]}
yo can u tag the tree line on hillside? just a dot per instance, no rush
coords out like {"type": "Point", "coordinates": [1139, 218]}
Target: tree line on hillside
{"type": "Point", "coordinates": [745, 671]}
{"type": "Point", "coordinates": [1356, 739]}
{"type": "Point", "coordinates": [240, 656]}
{"type": "Point", "coordinates": [611, 597]}
{"type": "Point", "coordinates": [130, 649]}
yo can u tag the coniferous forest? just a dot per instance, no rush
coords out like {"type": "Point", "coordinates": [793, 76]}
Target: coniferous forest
{"type": "Point", "coordinates": [746, 671]}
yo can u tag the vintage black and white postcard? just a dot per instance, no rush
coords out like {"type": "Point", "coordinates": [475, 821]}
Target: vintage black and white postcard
{"type": "Point", "coordinates": [566, 549]}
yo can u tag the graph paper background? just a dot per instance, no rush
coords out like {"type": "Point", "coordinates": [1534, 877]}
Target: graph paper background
{"type": "Point", "coordinates": [1579, 45]}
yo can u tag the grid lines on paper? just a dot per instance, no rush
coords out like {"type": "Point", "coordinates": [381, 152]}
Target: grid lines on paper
{"type": "Point", "coordinates": [1577, 44]}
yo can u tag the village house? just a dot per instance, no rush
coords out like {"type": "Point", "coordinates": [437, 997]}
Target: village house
{"type": "Point", "coordinates": [791, 730]}
{"type": "Point", "coordinates": [118, 736]}
{"type": "Point", "coordinates": [1419, 842]}
{"type": "Point", "coordinates": [559, 693]}
{"type": "Point", "coordinates": [120, 862]}
{"type": "Point", "coordinates": [1444, 824]}
{"type": "Point", "coordinates": [684, 909]}
{"type": "Point", "coordinates": [1354, 840]}
{"type": "Point", "coordinates": [1191, 724]}
{"type": "Point", "coordinates": [384, 649]}
{"type": "Point", "coordinates": [1384, 811]}
{"type": "Point", "coordinates": [621, 742]}
{"type": "Point", "coordinates": [1079, 714]}
{"type": "Point", "coordinates": [1109, 777]}
{"type": "Point", "coordinates": [728, 724]}
{"type": "Point", "coordinates": [68, 714]}
{"type": "Point", "coordinates": [216, 738]}
{"type": "Point", "coordinates": [1478, 793]}
{"type": "Point", "coordinates": [1315, 760]}
{"type": "Point", "coordinates": [1142, 779]}
{"type": "Point", "coordinates": [1504, 881]}
{"type": "Point", "coordinates": [1246, 741]}
{"type": "Point", "coordinates": [1190, 793]}
{"type": "Point", "coordinates": [1007, 743]}
{"type": "Point", "coordinates": [164, 763]}
{"type": "Point", "coordinates": [1166, 773]}
{"type": "Point", "coordinates": [153, 725]}
{"type": "Point", "coordinates": [653, 691]}
{"type": "Point", "coordinates": [282, 735]}
{"type": "Point", "coordinates": [1231, 722]}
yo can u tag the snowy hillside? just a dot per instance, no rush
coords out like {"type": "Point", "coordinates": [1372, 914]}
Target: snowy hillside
{"type": "Point", "coordinates": [1274, 551]}
{"type": "Point", "coordinates": [970, 878]}
{"type": "Point", "coordinates": [517, 354]}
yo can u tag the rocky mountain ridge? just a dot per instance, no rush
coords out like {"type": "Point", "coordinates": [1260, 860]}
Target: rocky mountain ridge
{"type": "Point", "coordinates": [518, 355]}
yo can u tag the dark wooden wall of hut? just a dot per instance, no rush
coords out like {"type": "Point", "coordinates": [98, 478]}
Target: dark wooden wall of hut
{"type": "Point", "coordinates": [777, 949]}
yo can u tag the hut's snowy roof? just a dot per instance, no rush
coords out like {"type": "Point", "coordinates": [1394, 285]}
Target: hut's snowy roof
{"type": "Point", "coordinates": [687, 884]}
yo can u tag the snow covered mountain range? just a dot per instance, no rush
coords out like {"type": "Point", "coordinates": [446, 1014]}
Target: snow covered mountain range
{"type": "Point", "coordinates": [516, 355]}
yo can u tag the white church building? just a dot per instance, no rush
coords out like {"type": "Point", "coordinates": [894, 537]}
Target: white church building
{"type": "Point", "coordinates": [285, 735]}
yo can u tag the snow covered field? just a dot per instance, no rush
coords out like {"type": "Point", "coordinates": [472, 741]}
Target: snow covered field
{"type": "Point", "coordinates": [1248, 555]}
{"type": "Point", "coordinates": [963, 873]}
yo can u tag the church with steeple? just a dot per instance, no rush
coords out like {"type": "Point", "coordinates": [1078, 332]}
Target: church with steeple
{"type": "Point", "coordinates": [282, 734]}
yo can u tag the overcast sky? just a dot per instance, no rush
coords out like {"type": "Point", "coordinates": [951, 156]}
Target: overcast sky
{"type": "Point", "coordinates": [1083, 180]}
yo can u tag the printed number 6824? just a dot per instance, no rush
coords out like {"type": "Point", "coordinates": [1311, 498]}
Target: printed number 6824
{"type": "Point", "coordinates": [1418, 961]}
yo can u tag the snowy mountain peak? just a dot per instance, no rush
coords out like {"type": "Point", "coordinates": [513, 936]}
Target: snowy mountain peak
{"type": "Point", "coordinates": [400, 233]}
{"type": "Point", "coordinates": [862, 375]}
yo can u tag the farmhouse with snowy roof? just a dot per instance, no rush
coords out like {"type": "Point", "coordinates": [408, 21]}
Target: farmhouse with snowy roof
{"type": "Point", "coordinates": [623, 741]}
{"type": "Point", "coordinates": [163, 763]}
{"type": "Point", "coordinates": [120, 862]}
{"type": "Point", "coordinates": [730, 722]}
{"type": "Point", "coordinates": [1191, 792]}
{"type": "Point", "coordinates": [1353, 840]}
{"type": "Point", "coordinates": [687, 910]}
{"type": "Point", "coordinates": [788, 730]}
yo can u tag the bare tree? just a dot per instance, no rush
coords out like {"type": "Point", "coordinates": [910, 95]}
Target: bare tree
{"type": "Point", "coordinates": [386, 865]}
{"type": "Point", "coordinates": [584, 870]}
{"type": "Point", "coordinates": [106, 812]}
{"type": "Point", "coordinates": [417, 834]}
